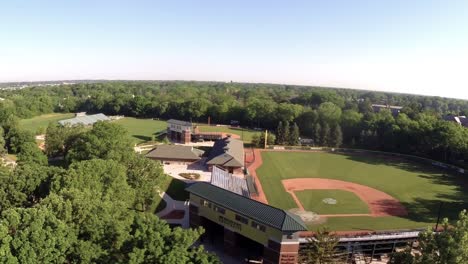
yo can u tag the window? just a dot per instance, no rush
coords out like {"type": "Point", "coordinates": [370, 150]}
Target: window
{"type": "Point", "coordinates": [258, 226]}
{"type": "Point", "coordinates": [219, 209]}
{"type": "Point", "coordinates": [242, 219]}
{"type": "Point", "coordinates": [205, 203]}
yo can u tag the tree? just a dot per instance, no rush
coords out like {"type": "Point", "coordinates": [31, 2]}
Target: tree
{"type": "Point", "coordinates": [336, 136]}
{"type": "Point", "coordinates": [17, 137]}
{"type": "Point", "coordinates": [450, 246]}
{"type": "Point", "coordinates": [317, 134]}
{"type": "Point", "coordinates": [293, 139]}
{"type": "Point", "coordinates": [286, 133]}
{"type": "Point", "coordinates": [2, 142]}
{"type": "Point", "coordinates": [321, 248]}
{"type": "Point", "coordinates": [104, 141]}
{"type": "Point", "coordinates": [256, 141]}
{"type": "Point", "coordinates": [144, 176]}
{"type": "Point", "coordinates": [30, 153]}
{"type": "Point", "coordinates": [280, 133]}
{"type": "Point", "coordinates": [325, 136]}
{"type": "Point", "coordinates": [153, 241]}
{"type": "Point", "coordinates": [329, 113]}
{"type": "Point", "coordinates": [34, 235]}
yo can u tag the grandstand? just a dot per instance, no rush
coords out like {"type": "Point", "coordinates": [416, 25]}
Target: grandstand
{"type": "Point", "coordinates": [227, 181]}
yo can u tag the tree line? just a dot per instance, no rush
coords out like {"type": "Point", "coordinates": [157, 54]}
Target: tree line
{"type": "Point", "coordinates": [321, 114]}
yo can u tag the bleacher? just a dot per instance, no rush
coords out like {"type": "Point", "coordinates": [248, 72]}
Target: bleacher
{"type": "Point", "coordinates": [227, 181]}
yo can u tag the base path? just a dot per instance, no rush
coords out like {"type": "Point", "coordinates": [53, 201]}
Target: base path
{"type": "Point", "coordinates": [380, 203]}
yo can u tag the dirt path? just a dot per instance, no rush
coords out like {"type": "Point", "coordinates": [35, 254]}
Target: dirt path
{"type": "Point", "coordinates": [380, 203]}
{"type": "Point", "coordinates": [257, 162]}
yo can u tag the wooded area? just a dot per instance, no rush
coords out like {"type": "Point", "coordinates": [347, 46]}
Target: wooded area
{"type": "Point", "coordinates": [321, 114]}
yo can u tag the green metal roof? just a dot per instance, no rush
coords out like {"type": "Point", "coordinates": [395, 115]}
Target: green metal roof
{"type": "Point", "coordinates": [252, 209]}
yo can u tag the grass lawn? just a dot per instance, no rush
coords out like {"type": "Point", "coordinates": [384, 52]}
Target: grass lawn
{"type": "Point", "coordinates": [141, 130]}
{"type": "Point", "coordinates": [420, 188]}
{"type": "Point", "coordinates": [174, 188]}
{"type": "Point", "coordinates": [245, 134]}
{"type": "Point", "coordinates": [42, 121]}
{"type": "Point", "coordinates": [346, 202]}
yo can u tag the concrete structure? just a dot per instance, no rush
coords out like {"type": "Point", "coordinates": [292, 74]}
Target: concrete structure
{"type": "Point", "coordinates": [175, 154]}
{"type": "Point", "coordinates": [228, 154]}
{"type": "Point", "coordinates": [272, 232]}
{"type": "Point", "coordinates": [394, 109]}
{"type": "Point", "coordinates": [179, 131]}
{"type": "Point", "coordinates": [83, 119]}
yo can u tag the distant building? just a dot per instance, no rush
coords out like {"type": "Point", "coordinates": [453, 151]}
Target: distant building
{"type": "Point", "coordinates": [179, 131]}
{"type": "Point", "coordinates": [269, 233]}
{"type": "Point", "coordinates": [83, 119]}
{"type": "Point", "coordinates": [175, 154]}
{"type": "Point", "coordinates": [461, 120]}
{"type": "Point", "coordinates": [228, 154]}
{"type": "Point", "coordinates": [394, 109]}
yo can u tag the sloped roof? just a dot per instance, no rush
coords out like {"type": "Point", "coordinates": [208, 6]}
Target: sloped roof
{"type": "Point", "coordinates": [176, 152]}
{"type": "Point", "coordinates": [84, 120]}
{"type": "Point", "coordinates": [179, 122]}
{"type": "Point", "coordinates": [228, 152]}
{"type": "Point", "coordinates": [257, 211]}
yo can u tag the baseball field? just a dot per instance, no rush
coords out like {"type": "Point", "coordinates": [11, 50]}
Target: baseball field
{"type": "Point", "coordinates": [356, 192]}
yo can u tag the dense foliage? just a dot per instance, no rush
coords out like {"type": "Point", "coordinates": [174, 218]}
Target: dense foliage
{"type": "Point", "coordinates": [95, 208]}
{"type": "Point", "coordinates": [331, 117]}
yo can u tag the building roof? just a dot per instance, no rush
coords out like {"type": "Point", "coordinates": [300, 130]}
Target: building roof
{"type": "Point", "coordinates": [175, 152]}
{"type": "Point", "coordinates": [227, 181]}
{"type": "Point", "coordinates": [252, 209]}
{"type": "Point", "coordinates": [394, 107]}
{"type": "Point", "coordinates": [84, 120]}
{"type": "Point", "coordinates": [227, 152]}
{"type": "Point", "coordinates": [179, 122]}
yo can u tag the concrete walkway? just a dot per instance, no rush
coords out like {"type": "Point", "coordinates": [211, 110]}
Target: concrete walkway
{"type": "Point", "coordinates": [172, 205]}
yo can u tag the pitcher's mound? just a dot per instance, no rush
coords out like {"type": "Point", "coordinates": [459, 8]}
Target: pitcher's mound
{"type": "Point", "coordinates": [307, 216]}
{"type": "Point", "coordinates": [330, 201]}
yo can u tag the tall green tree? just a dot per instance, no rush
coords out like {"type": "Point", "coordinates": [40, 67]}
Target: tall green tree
{"type": "Point", "coordinates": [294, 135]}
{"type": "Point", "coordinates": [325, 136]}
{"type": "Point", "coordinates": [280, 133]}
{"type": "Point", "coordinates": [321, 248]}
{"type": "Point", "coordinates": [286, 133]}
{"type": "Point", "coordinates": [317, 134]}
{"type": "Point", "coordinates": [336, 137]}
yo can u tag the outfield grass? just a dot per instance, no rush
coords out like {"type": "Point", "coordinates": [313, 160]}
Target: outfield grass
{"type": "Point", "coordinates": [42, 121]}
{"type": "Point", "coordinates": [141, 130]}
{"type": "Point", "coordinates": [347, 202]}
{"type": "Point", "coordinates": [420, 188]}
{"type": "Point", "coordinates": [245, 134]}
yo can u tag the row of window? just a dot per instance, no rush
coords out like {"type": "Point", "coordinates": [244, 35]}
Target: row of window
{"type": "Point", "coordinates": [238, 217]}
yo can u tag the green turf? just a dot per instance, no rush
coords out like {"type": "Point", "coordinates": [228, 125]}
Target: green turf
{"type": "Point", "coordinates": [347, 202]}
{"type": "Point", "coordinates": [141, 130]}
{"type": "Point", "coordinates": [420, 188]}
{"type": "Point", "coordinates": [41, 122]}
{"type": "Point", "coordinates": [245, 134]}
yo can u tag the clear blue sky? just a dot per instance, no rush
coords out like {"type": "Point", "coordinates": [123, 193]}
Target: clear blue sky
{"type": "Point", "coordinates": [417, 46]}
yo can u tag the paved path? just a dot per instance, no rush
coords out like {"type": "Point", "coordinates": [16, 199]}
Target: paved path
{"type": "Point", "coordinates": [172, 205]}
